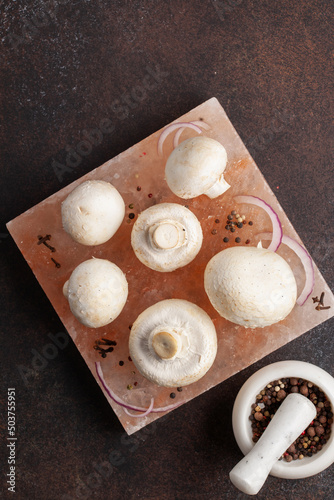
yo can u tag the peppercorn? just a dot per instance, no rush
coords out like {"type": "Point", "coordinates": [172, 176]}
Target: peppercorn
{"type": "Point", "coordinates": [172, 395]}
{"type": "Point", "coordinates": [250, 223]}
{"type": "Point", "coordinates": [121, 363]}
{"type": "Point", "coordinates": [319, 430]}
{"type": "Point", "coordinates": [229, 217]}
{"type": "Point", "coordinates": [304, 390]}
{"type": "Point", "coordinates": [225, 239]}
{"type": "Point", "coordinates": [217, 221]}
{"type": "Point", "coordinates": [237, 240]}
{"type": "Point", "coordinates": [291, 449]}
{"type": "Point", "coordinates": [281, 394]}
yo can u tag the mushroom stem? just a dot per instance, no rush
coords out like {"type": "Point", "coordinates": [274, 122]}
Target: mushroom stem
{"type": "Point", "coordinates": [218, 188]}
{"type": "Point", "coordinates": [165, 345]}
{"type": "Point", "coordinates": [167, 235]}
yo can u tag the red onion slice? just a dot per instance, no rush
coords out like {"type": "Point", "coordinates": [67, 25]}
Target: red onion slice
{"type": "Point", "coordinates": [147, 412]}
{"type": "Point", "coordinates": [171, 128]}
{"type": "Point", "coordinates": [177, 137]}
{"type": "Point", "coordinates": [305, 260]}
{"type": "Point", "coordinates": [122, 403]}
{"type": "Point", "coordinates": [277, 227]}
{"type": "Point", "coordinates": [178, 133]}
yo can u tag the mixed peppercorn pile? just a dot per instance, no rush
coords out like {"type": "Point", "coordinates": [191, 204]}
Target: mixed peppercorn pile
{"type": "Point", "coordinates": [269, 400]}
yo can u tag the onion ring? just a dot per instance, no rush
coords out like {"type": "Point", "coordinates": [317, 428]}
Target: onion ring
{"type": "Point", "coordinates": [277, 233]}
{"type": "Point", "coordinates": [147, 412]}
{"type": "Point", "coordinates": [171, 128]}
{"type": "Point", "coordinates": [305, 260]}
{"type": "Point", "coordinates": [122, 403]}
{"type": "Point", "coordinates": [178, 133]}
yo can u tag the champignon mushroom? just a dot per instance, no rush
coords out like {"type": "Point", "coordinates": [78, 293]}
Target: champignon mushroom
{"type": "Point", "coordinates": [96, 291]}
{"type": "Point", "coordinates": [196, 167]}
{"type": "Point", "coordinates": [253, 287]}
{"type": "Point", "coordinates": [92, 212]}
{"type": "Point", "coordinates": [166, 236]}
{"type": "Point", "coordinates": [173, 343]}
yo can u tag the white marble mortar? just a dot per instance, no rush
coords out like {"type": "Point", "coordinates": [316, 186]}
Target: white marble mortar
{"type": "Point", "coordinates": [242, 429]}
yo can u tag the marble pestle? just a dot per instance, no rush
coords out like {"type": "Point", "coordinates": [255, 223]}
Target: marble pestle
{"type": "Point", "coordinates": [291, 419]}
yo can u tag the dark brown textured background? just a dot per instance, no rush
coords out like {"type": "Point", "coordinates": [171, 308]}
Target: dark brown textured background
{"type": "Point", "coordinates": [66, 68]}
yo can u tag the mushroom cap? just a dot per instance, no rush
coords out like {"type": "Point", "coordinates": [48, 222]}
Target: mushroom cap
{"type": "Point", "coordinates": [166, 236]}
{"type": "Point", "coordinates": [250, 286]}
{"type": "Point", "coordinates": [96, 291]}
{"type": "Point", "coordinates": [92, 212]}
{"type": "Point", "coordinates": [195, 166]}
{"type": "Point", "coordinates": [179, 363]}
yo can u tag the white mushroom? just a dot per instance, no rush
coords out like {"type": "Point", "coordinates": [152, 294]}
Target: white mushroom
{"type": "Point", "coordinates": [166, 236]}
{"type": "Point", "coordinates": [93, 212]}
{"type": "Point", "coordinates": [253, 287]}
{"type": "Point", "coordinates": [196, 167]}
{"type": "Point", "coordinates": [173, 343]}
{"type": "Point", "coordinates": [96, 291]}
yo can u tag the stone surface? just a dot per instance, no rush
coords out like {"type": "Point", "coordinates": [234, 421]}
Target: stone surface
{"type": "Point", "coordinates": [269, 65]}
